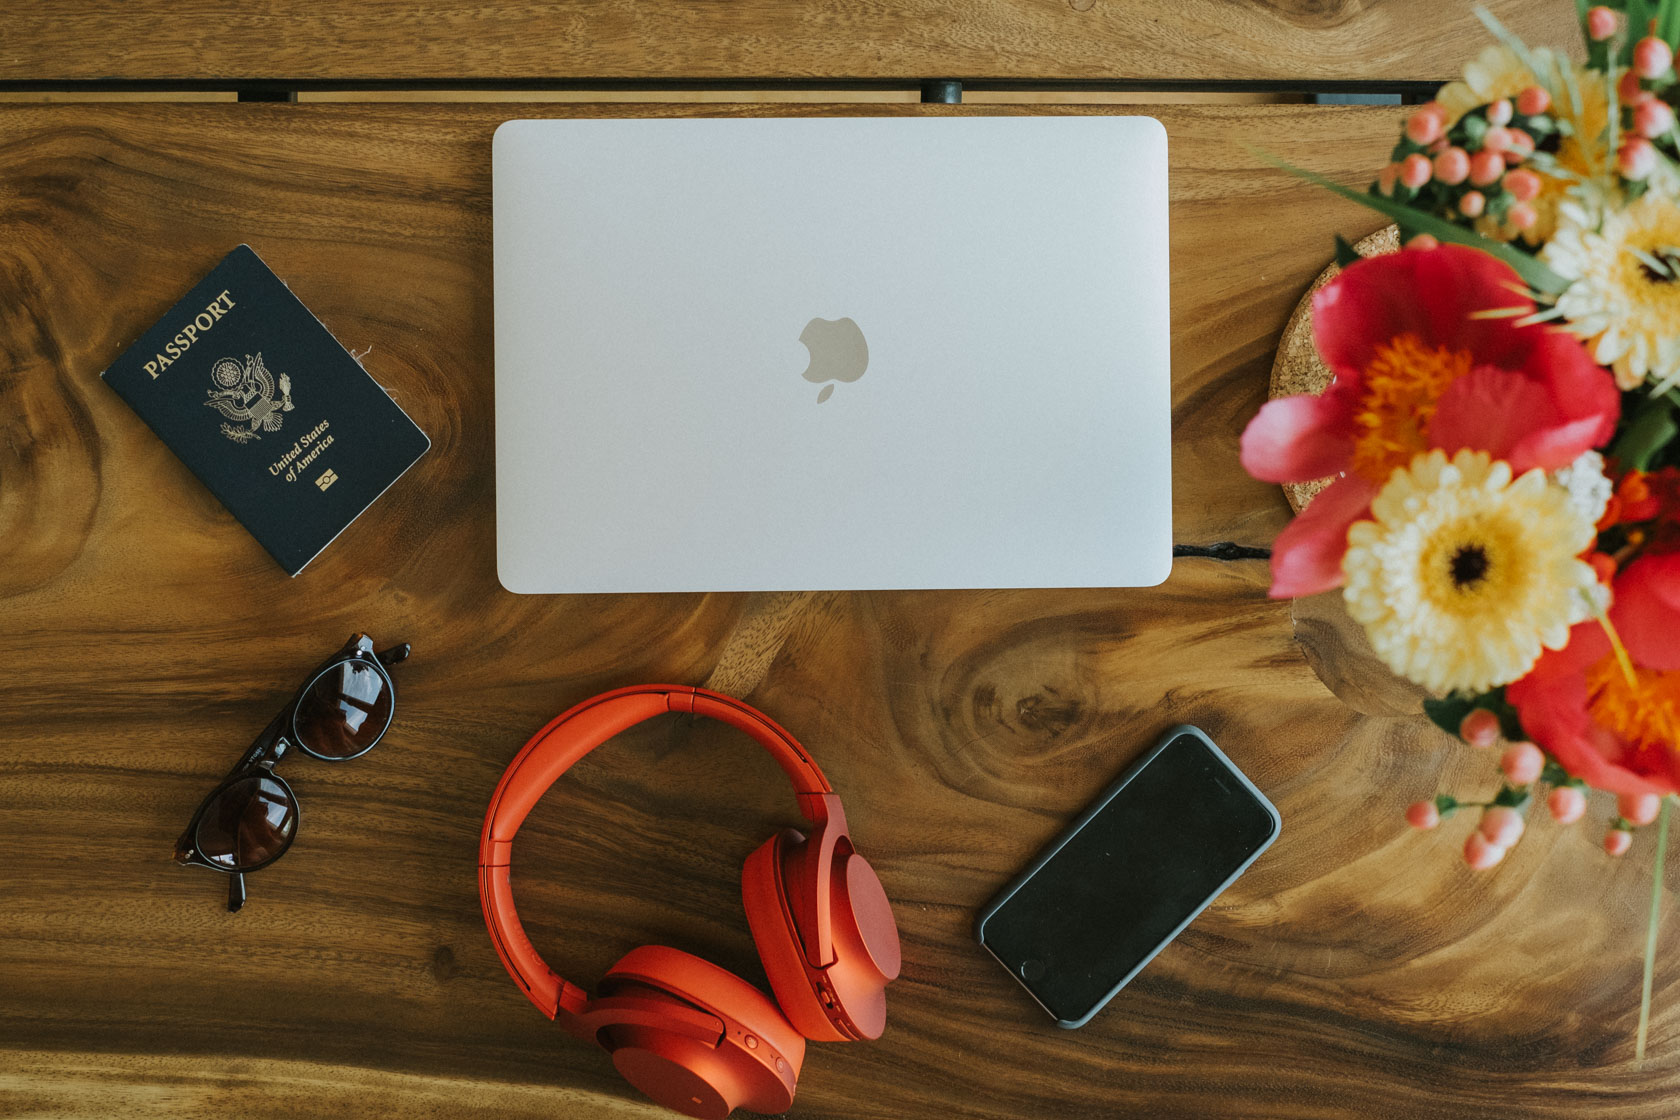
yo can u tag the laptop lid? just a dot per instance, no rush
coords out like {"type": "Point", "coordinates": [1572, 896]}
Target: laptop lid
{"type": "Point", "coordinates": [831, 353]}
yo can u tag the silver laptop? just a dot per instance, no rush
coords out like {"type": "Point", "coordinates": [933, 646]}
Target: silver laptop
{"type": "Point", "coordinates": [831, 353]}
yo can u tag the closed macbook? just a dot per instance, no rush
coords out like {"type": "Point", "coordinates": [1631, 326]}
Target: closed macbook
{"type": "Point", "coordinates": [831, 353]}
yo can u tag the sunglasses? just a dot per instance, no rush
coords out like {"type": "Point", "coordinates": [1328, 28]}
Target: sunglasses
{"type": "Point", "coordinates": [342, 710]}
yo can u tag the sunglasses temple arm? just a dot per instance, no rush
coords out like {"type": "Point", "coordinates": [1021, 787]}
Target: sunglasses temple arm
{"type": "Point", "coordinates": [236, 891]}
{"type": "Point", "coordinates": [393, 655]}
{"type": "Point", "coordinates": [185, 843]}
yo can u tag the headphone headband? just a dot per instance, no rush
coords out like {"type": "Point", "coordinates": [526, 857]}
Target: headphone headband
{"type": "Point", "coordinates": [554, 750]}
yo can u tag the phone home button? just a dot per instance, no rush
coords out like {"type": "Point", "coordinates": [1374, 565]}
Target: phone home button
{"type": "Point", "coordinates": [1032, 970]}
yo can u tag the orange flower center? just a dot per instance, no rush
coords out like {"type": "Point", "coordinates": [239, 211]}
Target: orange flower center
{"type": "Point", "coordinates": [1403, 381]}
{"type": "Point", "coordinates": [1644, 712]}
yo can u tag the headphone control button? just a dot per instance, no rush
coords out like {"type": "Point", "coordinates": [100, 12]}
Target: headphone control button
{"type": "Point", "coordinates": [752, 1043]}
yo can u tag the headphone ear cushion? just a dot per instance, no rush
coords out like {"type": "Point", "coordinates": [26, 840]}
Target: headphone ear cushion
{"type": "Point", "coordinates": [753, 1063]}
{"type": "Point", "coordinates": [847, 999]}
{"type": "Point", "coordinates": [770, 917]}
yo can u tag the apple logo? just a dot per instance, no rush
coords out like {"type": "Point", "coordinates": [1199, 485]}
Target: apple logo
{"type": "Point", "coordinates": [838, 353]}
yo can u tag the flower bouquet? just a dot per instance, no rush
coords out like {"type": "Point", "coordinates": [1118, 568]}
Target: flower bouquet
{"type": "Point", "coordinates": [1501, 428]}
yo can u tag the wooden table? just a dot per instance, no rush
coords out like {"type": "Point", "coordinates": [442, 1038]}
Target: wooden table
{"type": "Point", "coordinates": [1357, 970]}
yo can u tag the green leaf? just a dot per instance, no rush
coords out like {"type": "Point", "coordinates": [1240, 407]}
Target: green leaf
{"type": "Point", "coordinates": [1448, 712]}
{"type": "Point", "coordinates": [1546, 316]}
{"type": "Point", "coordinates": [1668, 20]}
{"type": "Point", "coordinates": [1651, 937]}
{"type": "Point", "coordinates": [1517, 797]}
{"type": "Point", "coordinates": [1510, 723]}
{"type": "Point", "coordinates": [1445, 803]}
{"type": "Point", "coordinates": [1612, 116]}
{"type": "Point", "coordinates": [1598, 55]}
{"type": "Point", "coordinates": [1346, 254]}
{"type": "Point", "coordinates": [1555, 775]}
{"type": "Point", "coordinates": [1651, 262]}
{"type": "Point", "coordinates": [1573, 89]}
{"type": "Point", "coordinates": [1653, 426]}
{"type": "Point", "coordinates": [1533, 273]}
{"type": "Point", "coordinates": [1639, 16]}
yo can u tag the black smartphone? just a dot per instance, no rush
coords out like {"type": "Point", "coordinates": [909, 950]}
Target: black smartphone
{"type": "Point", "coordinates": [1161, 843]}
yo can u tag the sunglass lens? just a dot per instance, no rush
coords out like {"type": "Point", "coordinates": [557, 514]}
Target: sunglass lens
{"type": "Point", "coordinates": [248, 823]}
{"type": "Point", "coordinates": [345, 711]}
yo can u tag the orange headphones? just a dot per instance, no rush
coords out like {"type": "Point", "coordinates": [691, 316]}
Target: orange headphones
{"type": "Point", "coordinates": [692, 1036]}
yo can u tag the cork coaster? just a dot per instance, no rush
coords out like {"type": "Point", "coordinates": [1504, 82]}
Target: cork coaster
{"type": "Point", "coordinates": [1297, 368]}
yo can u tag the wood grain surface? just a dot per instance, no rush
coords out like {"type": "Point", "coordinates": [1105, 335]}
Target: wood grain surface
{"type": "Point", "coordinates": [1356, 971]}
{"type": "Point", "coordinates": [906, 41]}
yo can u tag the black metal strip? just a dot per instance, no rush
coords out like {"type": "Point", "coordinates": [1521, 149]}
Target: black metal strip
{"type": "Point", "coordinates": [255, 89]}
{"type": "Point", "coordinates": [1224, 550]}
{"type": "Point", "coordinates": [945, 91]}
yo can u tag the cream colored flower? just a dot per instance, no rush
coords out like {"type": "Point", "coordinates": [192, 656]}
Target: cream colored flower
{"type": "Point", "coordinates": [1581, 168]}
{"type": "Point", "coordinates": [1624, 293]}
{"type": "Point", "coordinates": [1588, 488]}
{"type": "Point", "coordinates": [1496, 72]}
{"type": "Point", "coordinates": [1463, 575]}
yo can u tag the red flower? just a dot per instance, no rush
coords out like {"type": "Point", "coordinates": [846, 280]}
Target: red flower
{"type": "Point", "coordinates": [1578, 703]}
{"type": "Point", "coordinates": [1414, 371]}
{"type": "Point", "coordinates": [1646, 497]}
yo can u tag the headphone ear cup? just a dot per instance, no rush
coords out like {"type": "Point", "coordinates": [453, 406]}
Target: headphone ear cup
{"type": "Point", "coordinates": [775, 933]}
{"type": "Point", "coordinates": [752, 1062]}
{"type": "Point", "coordinates": [847, 999]}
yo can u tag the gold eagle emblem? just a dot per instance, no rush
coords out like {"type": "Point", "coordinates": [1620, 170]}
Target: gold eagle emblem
{"type": "Point", "coordinates": [245, 394]}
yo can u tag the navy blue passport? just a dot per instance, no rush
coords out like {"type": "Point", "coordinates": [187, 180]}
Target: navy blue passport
{"type": "Point", "coordinates": [254, 395]}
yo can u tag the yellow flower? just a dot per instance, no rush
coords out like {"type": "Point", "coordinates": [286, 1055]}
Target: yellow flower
{"type": "Point", "coordinates": [1624, 293]}
{"type": "Point", "coordinates": [1496, 72]}
{"type": "Point", "coordinates": [1582, 153]}
{"type": "Point", "coordinates": [1463, 575]}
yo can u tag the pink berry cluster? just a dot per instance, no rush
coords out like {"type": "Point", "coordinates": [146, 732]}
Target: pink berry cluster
{"type": "Point", "coordinates": [1647, 118]}
{"type": "Point", "coordinates": [1502, 820]}
{"type": "Point", "coordinates": [1472, 168]}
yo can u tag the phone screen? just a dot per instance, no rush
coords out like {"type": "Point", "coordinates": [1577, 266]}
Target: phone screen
{"type": "Point", "coordinates": [1168, 840]}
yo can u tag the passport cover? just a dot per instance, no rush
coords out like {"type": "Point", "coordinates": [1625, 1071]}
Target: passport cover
{"type": "Point", "coordinates": [255, 395]}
